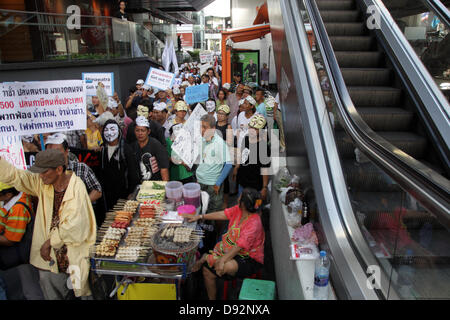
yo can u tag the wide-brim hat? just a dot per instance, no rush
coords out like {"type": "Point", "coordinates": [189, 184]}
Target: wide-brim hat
{"type": "Point", "coordinates": [48, 159]}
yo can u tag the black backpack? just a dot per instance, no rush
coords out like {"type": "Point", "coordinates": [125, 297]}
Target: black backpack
{"type": "Point", "coordinates": [19, 253]}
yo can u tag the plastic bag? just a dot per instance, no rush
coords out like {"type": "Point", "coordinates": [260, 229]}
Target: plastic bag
{"type": "Point", "coordinates": [305, 235]}
{"type": "Point", "coordinates": [282, 179]}
{"type": "Point", "coordinates": [283, 194]}
{"type": "Point", "coordinates": [294, 220]}
{"type": "Point", "coordinates": [295, 182]}
{"type": "Point", "coordinates": [304, 252]}
{"type": "Point", "coordinates": [295, 206]}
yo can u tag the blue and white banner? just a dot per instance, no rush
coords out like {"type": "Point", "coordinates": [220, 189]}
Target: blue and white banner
{"type": "Point", "coordinates": [160, 79]}
{"type": "Point", "coordinates": [92, 80]}
{"type": "Point", "coordinates": [196, 94]}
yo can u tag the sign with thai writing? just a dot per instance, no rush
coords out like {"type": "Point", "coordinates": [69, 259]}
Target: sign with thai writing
{"type": "Point", "coordinates": [11, 149]}
{"type": "Point", "coordinates": [198, 93]}
{"type": "Point", "coordinates": [160, 79]}
{"type": "Point", "coordinates": [206, 57]}
{"type": "Point", "coordinates": [93, 79]}
{"type": "Point", "coordinates": [28, 108]}
{"type": "Point", "coordinates": [188, 140]}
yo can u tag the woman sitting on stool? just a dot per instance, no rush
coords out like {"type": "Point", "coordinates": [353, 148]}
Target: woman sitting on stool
{"type": "Point", "coordinates": [241, 251]}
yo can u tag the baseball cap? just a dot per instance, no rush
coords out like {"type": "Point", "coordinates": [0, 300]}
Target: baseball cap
{"type": "Point", "coordinates": [227, 86]}
{"type": "Point", "coordinates": [224, 108]}
{"type": "Point", "coordinates": [140, 81]}
{"type": "Point", "coordinates": [181, 106]}
{"type": "Point", "coordinates": [142, 122]}
{"type": "Point", "coordinates": [251, 100]}
{"type": "Point", "coordinates": [146, 87]}
{"type": "Point", "coordinates": [48, 159]}
{"type": "Point", "coordinates": [4, 186]}
{"type": "Point", "coordinates": [160, 106]}
{"type": "Point", "coordinates": [56, 138]}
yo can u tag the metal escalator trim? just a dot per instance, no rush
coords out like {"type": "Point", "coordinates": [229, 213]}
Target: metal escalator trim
{"type": "Point", "coordinates": [365, 256]}
{"type": "Point", "coordinates": [348, 276]}
{"type": "Point", "coordinates": [429, 187]}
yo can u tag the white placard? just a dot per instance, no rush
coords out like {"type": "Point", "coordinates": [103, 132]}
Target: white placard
{"type": "Point", "coordinates": [11, 149]}
{"type": "Point", "coordinates": [188, 142]}
{"type": "Point", "coordinates": [28, 108]}
{"type": "Point", "coordinates": [160, 79]}
{"type": "Point", "coordinates": [206, 57]}
{"type": "Point", "coordinates": [92, 80]}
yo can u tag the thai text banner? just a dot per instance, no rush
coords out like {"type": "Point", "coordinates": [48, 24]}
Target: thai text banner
{"type": "Point", "coordinates": [28, 108]}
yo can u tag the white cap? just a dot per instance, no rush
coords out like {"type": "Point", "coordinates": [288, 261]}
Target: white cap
{"type": "Point", "coordinates": [146, 87]}
{"type": "Point", "coordinates": [210, 106]}
{"type": "Point", "coordinates": [160, 106]}
{"type": "Point", "coordinates": [176, 90]}
{"type": "Point", "coordinates": [140, 81]}
{"type": "Point", "coordinates": [227, 86]}
{"type": "Point", "coordinates": [28, 138]}
{"type": "Point", "coordinates": [56, 138]}
{"type": "Point", "coordinates": [241, 102]}
{"type": "Point", "coordinates": [185, 84]}
{"type": "Point", "coordinates": [142, 122]}
{"type": "Point", "coordinates": [251, 100]}
{"type": "Point", "coordinates": [101, 120]}
{"type": "Point", "coordinates": [112, 103]}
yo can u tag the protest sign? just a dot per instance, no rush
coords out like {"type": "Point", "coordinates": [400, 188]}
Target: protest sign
{"type": "Point", "coordinates": [177, 82]}
{"type": "Point", "coordinates": [189, 139]}
{"type": "Point", "coordinates": [206, 57]}
{"type": "Point", "coordinates": [92, 80]}
{"type": "Point", "coordinates": [28, 108]}
{"type": "Point", "coordinates": [160, 79]}
{"type": "Point", "coordinates": [11, 149]}
{"type": "Point", "coordinates": [198, 93]}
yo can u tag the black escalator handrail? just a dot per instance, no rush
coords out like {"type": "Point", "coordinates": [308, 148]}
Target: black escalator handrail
{"type": "Point", "coordinates": [440, 10]}
{"type": "Point", "coordinates": [427, 186]}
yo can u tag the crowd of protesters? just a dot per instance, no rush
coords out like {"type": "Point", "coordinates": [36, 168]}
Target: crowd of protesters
{"type": "Point", "coordinates": [51, 212]}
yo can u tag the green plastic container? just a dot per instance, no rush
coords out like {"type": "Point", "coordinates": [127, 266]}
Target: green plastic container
{"type": "Point", "coordinates": [253, 289]}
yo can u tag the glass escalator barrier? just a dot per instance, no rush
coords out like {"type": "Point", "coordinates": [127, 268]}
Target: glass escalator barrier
{"type": "Point", "coordinates": [407, 242]}
{"type": "Point", "coordinates": [27, 36]}
{"type": "Point", "coordinates": [425, 24]}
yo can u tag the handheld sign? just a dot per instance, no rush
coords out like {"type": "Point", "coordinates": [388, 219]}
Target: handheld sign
{"type": "Point", "coordinates": [206, 57]}
{"type": "Point", "coordinates": [28, 108]}
{"type": "Point", "coordinates": [198, 93]}
{"type": "Point", "coordinates": [11, 149]}
{"type": "Point", "coordinates": [92, 80]}
{"type": "Point", "coordinates": [160, 79]}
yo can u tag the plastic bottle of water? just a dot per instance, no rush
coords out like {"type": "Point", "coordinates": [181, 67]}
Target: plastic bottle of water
{"type": "Point", "coordinates": [406, 273]}
{"type": "Point", "coordinates": [321, 277]}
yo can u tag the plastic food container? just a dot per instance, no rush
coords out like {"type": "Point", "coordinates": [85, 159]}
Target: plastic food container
{"type": "Point", "coordinates": [186, 209]}
{"type": "Point", "coordinates": [191, 194]}
{"type": "Point", "coordinates": [174, 191]}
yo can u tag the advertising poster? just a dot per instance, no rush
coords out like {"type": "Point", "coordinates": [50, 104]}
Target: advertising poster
{"type": "Point", "coordinates": [247, 64]}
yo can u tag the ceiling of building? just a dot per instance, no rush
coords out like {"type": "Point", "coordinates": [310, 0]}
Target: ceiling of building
{"type": "Point", "coordinates": [169, 5]}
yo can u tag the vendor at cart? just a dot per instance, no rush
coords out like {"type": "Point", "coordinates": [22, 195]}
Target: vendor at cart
{"type": "Point", "coordinates": [241, 251]}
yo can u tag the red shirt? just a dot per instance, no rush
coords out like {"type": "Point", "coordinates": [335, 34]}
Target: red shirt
{"type": "Point", "coordinates": [251, 233]}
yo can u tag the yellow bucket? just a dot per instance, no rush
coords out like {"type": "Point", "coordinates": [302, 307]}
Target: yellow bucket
{"type": "Point", "coordinates": [148, 291]}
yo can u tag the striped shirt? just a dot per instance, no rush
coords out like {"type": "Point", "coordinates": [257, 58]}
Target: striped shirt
{"type": "Point", "coordinates": [14, 218]}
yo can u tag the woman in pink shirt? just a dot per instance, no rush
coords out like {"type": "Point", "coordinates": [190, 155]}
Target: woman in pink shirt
{"type": "Point", "coordinates": [241, 251]}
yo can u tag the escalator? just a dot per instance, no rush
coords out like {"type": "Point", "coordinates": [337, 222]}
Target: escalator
{"type": "Point", "coordinates": [391, 144]}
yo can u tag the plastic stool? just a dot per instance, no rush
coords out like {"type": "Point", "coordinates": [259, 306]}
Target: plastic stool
{"type": "Point", "coordinates": [253, 289]}
{"type": "Point", "coordinates": [226, 283]}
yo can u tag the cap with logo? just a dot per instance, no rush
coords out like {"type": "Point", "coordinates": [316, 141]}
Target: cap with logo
{"type": "Point", "coordinates": [48, 159]}
{"type": "Point", "coordinates": [251, 100]}
{"type": "Point", "coordinates": [159, 106]}
{"type": "Point", "coordinates": [181, 106]}
{"type": "Point", "coordinates": [142, 122]}
{"type": "Point", "coordinates": [224, 108]}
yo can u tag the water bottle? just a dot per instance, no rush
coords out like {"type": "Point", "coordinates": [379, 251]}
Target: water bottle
{"type": "Point", "coordinates": [406, 274]}
{"type": "Point", "coordinates": [321, 277]}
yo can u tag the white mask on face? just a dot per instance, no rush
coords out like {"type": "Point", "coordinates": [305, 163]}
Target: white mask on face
{"type": "Point", "coordinates": [111, 132]}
